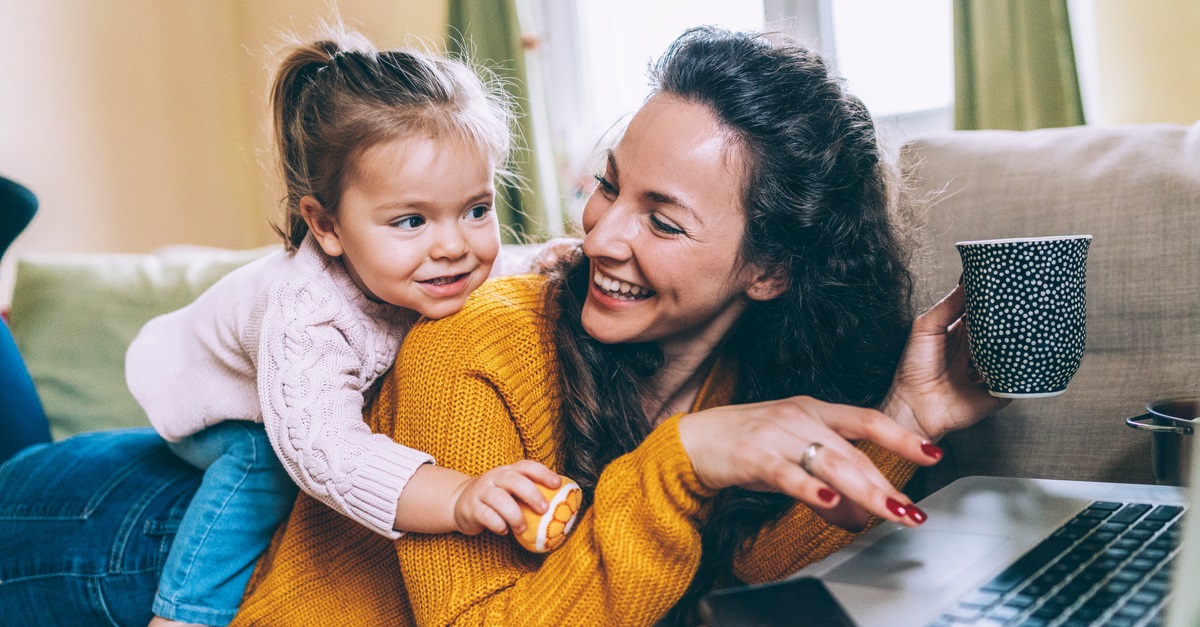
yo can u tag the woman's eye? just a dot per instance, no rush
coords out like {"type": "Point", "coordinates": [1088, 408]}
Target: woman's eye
{"type": "Point", "coordinates": [605, 186]}
{"type": "Point", "coordinates": [663, 227]}
{"type": "Point", "coordinates": [479, 212]}
{"type": "Point", "coordinates": [409, 222]}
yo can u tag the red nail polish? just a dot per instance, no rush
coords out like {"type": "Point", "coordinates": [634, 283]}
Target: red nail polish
{"type": "Point", "coordinates": [825, 494]}
{"type": "Point", "coordinates": [931, 449]}
{"type": "Point", "coordinates": [896, 507]}
{"type": "Point", "coordinates": [916, 514]}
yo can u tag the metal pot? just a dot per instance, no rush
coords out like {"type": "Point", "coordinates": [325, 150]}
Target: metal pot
{"type": "Point", "coordinates": [1171, 423]}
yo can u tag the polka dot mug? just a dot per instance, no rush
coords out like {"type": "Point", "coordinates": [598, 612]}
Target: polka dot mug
{"type": "Point", "coordinates": [1026, 306]}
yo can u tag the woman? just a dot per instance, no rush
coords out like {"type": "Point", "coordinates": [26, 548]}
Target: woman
{"type": "Point", "coordinates": [738, 249]}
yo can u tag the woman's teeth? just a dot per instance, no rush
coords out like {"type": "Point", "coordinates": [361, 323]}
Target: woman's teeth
{"type": "Point", "coordinates": [620, 289]}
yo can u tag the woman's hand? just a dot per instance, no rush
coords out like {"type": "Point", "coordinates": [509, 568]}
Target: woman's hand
{"type": "Point", "coordinates": [770, 447]}
{"type": "Point", "coordinates": [936, 389]}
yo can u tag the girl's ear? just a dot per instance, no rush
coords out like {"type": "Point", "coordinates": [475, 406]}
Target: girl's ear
{"type": "Point", "coordinates": [321, 225]}
{"type": "Point", "coordinates": [766, 285]}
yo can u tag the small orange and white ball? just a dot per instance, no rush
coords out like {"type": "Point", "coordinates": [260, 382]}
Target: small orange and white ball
{"type": "Point", "coordinates": [546, 532]}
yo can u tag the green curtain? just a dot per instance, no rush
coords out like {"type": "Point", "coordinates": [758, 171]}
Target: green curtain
{"type": "Point", "coordinates": [489, 32]}
{"type": "Point", "coordinates": [1014, 65]}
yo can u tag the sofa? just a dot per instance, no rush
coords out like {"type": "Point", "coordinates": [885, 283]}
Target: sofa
{"type": "Point", "coordinates": [1136, 189]}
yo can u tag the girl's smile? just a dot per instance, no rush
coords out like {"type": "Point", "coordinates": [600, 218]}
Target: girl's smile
{"type": "Point", "coordinates": [445, 286]}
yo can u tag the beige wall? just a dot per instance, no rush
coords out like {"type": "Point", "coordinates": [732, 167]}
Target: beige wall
{"type": "Point", "coordinates": [1148, 60]}
{"type": "Point", "coordinates": [141, 123]}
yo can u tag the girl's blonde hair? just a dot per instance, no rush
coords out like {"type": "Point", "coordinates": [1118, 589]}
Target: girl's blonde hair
{"type": "Point", "coordinates": [334, 98]}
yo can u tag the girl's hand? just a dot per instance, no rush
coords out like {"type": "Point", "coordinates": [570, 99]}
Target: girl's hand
{"type": "Point", "coordinates": [937, 389]}
{"type": "Point", "coordinates": [799, 446]}
{"type": "Point", "coordinates": [489, 501]}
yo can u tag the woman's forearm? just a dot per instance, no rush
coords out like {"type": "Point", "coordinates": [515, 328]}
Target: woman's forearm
{"type": "Point", "coordinates": [800, 537]}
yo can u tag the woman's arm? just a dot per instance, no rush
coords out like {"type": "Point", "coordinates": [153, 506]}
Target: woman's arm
{"type": "Point", "coordinates": [936, 389]}
{"type": "Point", "coordinates": [801, 537]}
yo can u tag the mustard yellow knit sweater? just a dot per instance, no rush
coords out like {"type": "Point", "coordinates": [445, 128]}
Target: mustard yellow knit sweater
{"type": "Point", "coordinates": [477, 390]}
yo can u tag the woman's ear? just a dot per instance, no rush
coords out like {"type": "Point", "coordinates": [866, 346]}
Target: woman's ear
{"type": "Point", "coordinates": [766, 285]}
{"type": "Point", "coordinates": [321, 225]}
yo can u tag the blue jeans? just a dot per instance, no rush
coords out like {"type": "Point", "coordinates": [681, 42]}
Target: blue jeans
{"type": "Point", "coordinates": [22, 422]}
{"type": "Point", "coordinates": [245, 494]}
{"type": "Point", "coordinates": [85, 528]}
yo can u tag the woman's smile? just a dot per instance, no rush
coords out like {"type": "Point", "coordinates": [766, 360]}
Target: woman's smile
{"type": "Point", "coordinates": [616, 289]}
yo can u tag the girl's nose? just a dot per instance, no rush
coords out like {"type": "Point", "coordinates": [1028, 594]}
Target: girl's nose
{"type": "Point", "coordinates": [450, 243]}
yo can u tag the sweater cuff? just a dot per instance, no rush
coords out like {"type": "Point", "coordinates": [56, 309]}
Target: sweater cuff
{"type": "Point", "coordinates": [665, 447]}
{"type": "Point", "coordinates": [381, 475]}
{"type": "Point", "coordinates": [896, 469]}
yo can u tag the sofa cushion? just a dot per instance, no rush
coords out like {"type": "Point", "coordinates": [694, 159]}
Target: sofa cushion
{"type": "Point", "coordinates": [74, 315]}
{"type": "Point", "coordinates": [1136, 190]}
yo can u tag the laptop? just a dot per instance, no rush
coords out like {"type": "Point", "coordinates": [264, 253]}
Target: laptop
{"type": "Point", "coordinates": [1000, 551]}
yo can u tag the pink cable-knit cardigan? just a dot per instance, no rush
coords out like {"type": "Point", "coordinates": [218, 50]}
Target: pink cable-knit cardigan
{"type": "Point", "coordinates": [289, 341]}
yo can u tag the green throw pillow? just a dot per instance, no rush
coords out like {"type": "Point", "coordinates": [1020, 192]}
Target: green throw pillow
{"type": "Point", "coordinates": [74, 315]}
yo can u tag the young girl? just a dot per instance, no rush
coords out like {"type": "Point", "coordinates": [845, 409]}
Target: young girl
{"type": "Point", "coordinates": [389, 160]}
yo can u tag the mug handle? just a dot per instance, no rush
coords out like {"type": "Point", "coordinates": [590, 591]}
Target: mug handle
{"type": "Point", "coordinates": [1137, 422]}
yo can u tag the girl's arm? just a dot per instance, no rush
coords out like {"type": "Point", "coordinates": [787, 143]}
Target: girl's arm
{"type": "Point", "coordinates": [310, 385]}
{"type": "Point", "coordinates": [442, 500]}
{"type": "Point", "coordinates": [310, 389]}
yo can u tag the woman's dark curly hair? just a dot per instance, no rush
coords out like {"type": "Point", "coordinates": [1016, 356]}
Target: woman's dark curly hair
{"type": "Point", "coordinates": [818, 215]}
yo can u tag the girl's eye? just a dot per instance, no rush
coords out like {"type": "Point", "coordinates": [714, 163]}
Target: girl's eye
{"type": "Point", "coordinates": [478, 212]}
{"type": "Point", "coordinates": [663, 227]}
{"type": "Point", "coordinates": [409, 222]}
{"type": "Point", "coordinates": [605, 186]}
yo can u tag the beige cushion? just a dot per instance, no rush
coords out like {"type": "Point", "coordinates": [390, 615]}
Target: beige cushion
{"type": "Point", "coordinates": [1136, 190]}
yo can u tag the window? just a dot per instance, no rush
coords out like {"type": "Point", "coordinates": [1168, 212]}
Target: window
{"type": "Point", "coordinates": [595, 54]}
{"type": "Point", "coordinates": [896, 56]}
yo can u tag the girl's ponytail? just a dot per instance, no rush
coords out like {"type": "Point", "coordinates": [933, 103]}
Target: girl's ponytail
{"type": "Point", "coordinates": [296, 73]}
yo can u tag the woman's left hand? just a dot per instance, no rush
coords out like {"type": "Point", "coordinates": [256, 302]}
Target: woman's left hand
{"type": "Point", "coordinates": [937, 389]}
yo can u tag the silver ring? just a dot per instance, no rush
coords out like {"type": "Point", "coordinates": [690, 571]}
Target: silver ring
{"type": "Point", "coordinates": [810, 453]}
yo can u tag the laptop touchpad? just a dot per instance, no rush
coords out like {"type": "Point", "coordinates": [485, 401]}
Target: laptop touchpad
{"type": "Point", "coordinates": [915, 559]}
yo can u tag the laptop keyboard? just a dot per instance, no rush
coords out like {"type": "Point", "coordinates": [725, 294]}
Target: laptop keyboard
{"type": "Point", "coordinates": [1110, 565]}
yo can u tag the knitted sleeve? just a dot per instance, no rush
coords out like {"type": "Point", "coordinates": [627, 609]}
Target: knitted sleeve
{"type": "Point", "coordinates": [484, 402]}
{"type": "Point", "coordinates": [310, 385]}
{"type": "Point", "coordinates": [800, 537]}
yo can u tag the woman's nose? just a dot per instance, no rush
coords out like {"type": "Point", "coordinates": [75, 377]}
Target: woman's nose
{"type": "Point", "coordinates": [611, 232]}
